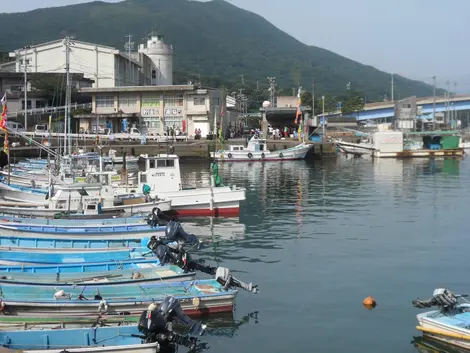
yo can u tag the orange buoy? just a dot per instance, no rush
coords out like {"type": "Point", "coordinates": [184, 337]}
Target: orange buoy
{"type": "Point", "coordinates": [369, 303]}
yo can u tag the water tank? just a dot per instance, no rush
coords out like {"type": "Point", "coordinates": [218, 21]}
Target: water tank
{"type": "Point", "coordinates": [266, 104]}
{"type": "Point", "coordinates": [161, 57]}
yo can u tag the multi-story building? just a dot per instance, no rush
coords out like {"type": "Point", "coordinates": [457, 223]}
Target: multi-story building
{"type": "Point", "coordinates": [154, 109]}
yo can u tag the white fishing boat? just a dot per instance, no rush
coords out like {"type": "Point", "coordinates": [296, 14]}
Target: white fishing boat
{"type": "Point", "coordinates": [86, 199]}
{"type": "Point", "coordinates": [160, 177]}
{"type": "Point", "coordinates": [450, 323]}
{"type": "Point", "coordinates": [257, 150]}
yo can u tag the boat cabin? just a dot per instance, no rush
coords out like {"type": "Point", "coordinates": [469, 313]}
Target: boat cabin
{"type": "Point", "coordinates": [160, 173]}
{"type": "Point", "coordinates": [254, 145]}
{"type": "Point", "coordinates": [85, 198]}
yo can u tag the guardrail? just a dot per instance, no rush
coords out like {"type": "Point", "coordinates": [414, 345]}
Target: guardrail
{"type": "Point", "coordinates": [48, 110]}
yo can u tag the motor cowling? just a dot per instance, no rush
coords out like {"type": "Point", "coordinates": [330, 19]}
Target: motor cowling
{"type": "Point", "coordinates": [170, 309]}
{"type": "Point", "coordinates": [443, 298]}
{"type": "Point", "coordinates": [174, 232]}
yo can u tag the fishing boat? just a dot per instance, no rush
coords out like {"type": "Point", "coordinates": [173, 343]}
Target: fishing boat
{"type": "Point", "coordinates": [122, 339]}
{"type": "Point", "coordinates": [196, 298]}
{"type": "Point", "coordinates": [257, 150]}
{"type": "Point", "coordinates": [450, 322]}
{"type": "Point", "coordinates": [51, 244]}
{"type": "Point", "coordinates": [160, 177]}
{"type": "Point", "coordinates": [92, 232]}
{"type": "Point", "coordinates": [99, 266]}
{"type": "Point", "coordinates": [108, 278]}
{"type": "Point", "coordinates": [71, 221]}
{"type": "Point", "coordinates": [19, 257]}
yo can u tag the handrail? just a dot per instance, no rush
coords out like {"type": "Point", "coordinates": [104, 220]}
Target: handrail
{"type": "Point", "coordinates": [50, 109]}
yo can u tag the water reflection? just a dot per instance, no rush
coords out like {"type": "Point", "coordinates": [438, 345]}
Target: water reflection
{"type": "Point", "coordinates": [429, 345]}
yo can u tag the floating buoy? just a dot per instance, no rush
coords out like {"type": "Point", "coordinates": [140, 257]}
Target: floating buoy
{"type": "Point", "coordinates": [369, 303]}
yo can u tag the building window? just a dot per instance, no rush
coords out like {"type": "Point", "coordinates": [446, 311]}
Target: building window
{"type": "Point", "coordinates": [175, 122]}
{"type": "Point", "coordinates": [105, 101]}
{"type": "Point", "coordinates": [41, 104]}
{"type": "Point", "coordinates": [154, 74]}
{"type": "Point", "coordinates": [173, 101]}
{"type": "Point", "coordinates": [29, 104]}
{"type": "Point", "coordinates": [199, 100]}
{"type": "Point", "coordinates": [150, 101]}
{"type": "Point", "coordinates": [127, 101]}
{"type": "Point", "coordinates": [152, 123]}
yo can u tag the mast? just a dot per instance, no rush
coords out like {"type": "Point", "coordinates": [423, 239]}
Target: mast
{"type": "Point", "coordinates": [434, 103]}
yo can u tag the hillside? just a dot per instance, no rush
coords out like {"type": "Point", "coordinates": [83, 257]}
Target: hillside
{"type": "Point", "coordinates": [213, 39]}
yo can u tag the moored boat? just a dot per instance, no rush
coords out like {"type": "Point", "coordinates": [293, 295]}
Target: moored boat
{"type": "Point", "coordinates": [122, 339]}
{"type": "Point", "coordinates": [257, 150]}
{"type": "Point", "coordinates": [115, 232]}
{"type": "Point", "coordinates": [106, 278]}
{"type": "Point", "coordinates": [450, 322]}
{"type": "Point", "coordinates": [196, 297]}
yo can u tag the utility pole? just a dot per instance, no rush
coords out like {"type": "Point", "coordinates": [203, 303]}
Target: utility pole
{"type": "Point", "coordinates": [393, 89]}
{"type": "Point", "coordinates": [313, 98]}
{"type": "Point", "coordinates": [433, 104]}
{"type": "Point", "coordinates": [257, 85]}
{"type": "Point", "coordinates": [323, 118]}
{"type": "Point", "coordinates": [243, 79]}
{"type": "Point", "coordinates": [25, 67]}
{"type": "Point", "coordinates": [272, 89]}
{"type": "Point", "coordinates": [68, 93]}
{"type": "Point", "coordinates": [455, 94]}
{"type": "Point", "coordinates": [129, 46]}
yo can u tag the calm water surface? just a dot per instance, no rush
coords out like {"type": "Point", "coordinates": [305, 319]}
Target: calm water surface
{"type": "Point", "coordinates": [320, 237]}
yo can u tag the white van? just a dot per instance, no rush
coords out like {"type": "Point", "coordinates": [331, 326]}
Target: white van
{"type": "Point", "coordinates": [40, 129]}
{"type": "Point", "coordinates": [13, 125]}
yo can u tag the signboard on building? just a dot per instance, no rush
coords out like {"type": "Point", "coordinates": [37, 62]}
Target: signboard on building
{"type": "Point", "coordinates": [173, 112]}
{"type": "Point", "coordinates": [150, 112]}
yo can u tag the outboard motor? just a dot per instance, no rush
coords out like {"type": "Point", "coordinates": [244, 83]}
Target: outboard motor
{"type": "Point", "coordinates": [174, 232]}
{"type": "Point", "coordinates": [157, 324]}
{"type": "Point", "coordinates": [178, 257]}
{"type": "Point", "coordinates": [442, 298]}
{"type": "Point", "coordinates": [224, 277]}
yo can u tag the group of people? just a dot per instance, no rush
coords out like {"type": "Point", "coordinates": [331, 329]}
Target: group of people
{"type": "Point", "coordinates": [172, 131]}
{"type": "Point", "coordinates": [277, 133]}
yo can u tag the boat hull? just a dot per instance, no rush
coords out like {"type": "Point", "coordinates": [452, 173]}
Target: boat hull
{"type": "Point", "coordinates": [111, 232]}
{"type": "Point", "coordinates": [123, 339]}
{"type": "Point", "coordinates": [64, 309]}
{"type": "Point", "coordinates": [420, 153]}
{"type": "Point", "coordinates": [217, 201]}
{"type": "Point", "coordinates": [426, 322]}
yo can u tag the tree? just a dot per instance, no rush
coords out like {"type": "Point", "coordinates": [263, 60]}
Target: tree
{"type": "Point", "coordinates": [306, 99]}
{"type": "Point", "coordinates": [354, 103]}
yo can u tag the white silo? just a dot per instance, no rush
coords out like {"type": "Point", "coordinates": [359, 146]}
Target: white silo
{"type": "Point", "coordinates": [160, 71]}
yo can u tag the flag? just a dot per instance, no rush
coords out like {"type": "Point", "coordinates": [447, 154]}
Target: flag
{"type": "Point", "coordinates": [3, 120]}
{"type": "Point", "coordinates": [298, 112]}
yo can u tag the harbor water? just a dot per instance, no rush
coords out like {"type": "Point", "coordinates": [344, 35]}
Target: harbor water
{"type": "Point", "coordinates": [320, 237]}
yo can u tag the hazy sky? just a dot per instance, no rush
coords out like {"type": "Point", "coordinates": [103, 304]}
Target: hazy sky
{"type": "Point", "coordinates": [415, 38]}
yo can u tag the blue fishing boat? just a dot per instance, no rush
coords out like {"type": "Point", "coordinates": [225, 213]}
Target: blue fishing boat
{"type": "Point", "coordinates": [36, 244]}
{"type": "Point", "coordinates": [71, 222]}
{"type": "Point", "coordinates": [18, 257]}
{"type": "Point", "coordinates": [122, 339]}
{"type": "Point", "coordinates": [127, 231]}
{"type": "Point", "coordinates": [84, 267]}
{"type": "Point", "coordinates": [196, 297]}
{"type": "Point", "coordinates": [169, 273]}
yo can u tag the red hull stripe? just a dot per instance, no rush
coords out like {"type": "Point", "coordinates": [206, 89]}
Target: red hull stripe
{"type": "Point", "coordinates": [210, 310]}
{"type": "Point", "coordinates": [257, 160]}
{"type": "Point", "coordinates": [227, 212]}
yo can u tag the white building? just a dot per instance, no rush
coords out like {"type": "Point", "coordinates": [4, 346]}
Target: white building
{"type": "Point", "coordinates": [106, 66]}
{"type": "Point", "coordinates": [154, 109]}
{"type": "Point", "coordinates": [156, 58]}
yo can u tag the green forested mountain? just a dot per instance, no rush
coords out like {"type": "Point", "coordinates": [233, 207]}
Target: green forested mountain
{"type": "Point", "coordinates": [211, 39]}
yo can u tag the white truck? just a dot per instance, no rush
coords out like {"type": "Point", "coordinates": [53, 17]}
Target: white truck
{"type": "Point", "coordinates": [133, 134]}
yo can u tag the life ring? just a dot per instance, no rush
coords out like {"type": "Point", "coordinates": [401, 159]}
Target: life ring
{"type": "Point", "coordinates": [229, 155]}
{"type": "Point", "coordinates": [262, 155]}
{"type": "Point", "coordinates": [281, 155]}
{"type": "Point", "coordinates": [250, 155]}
